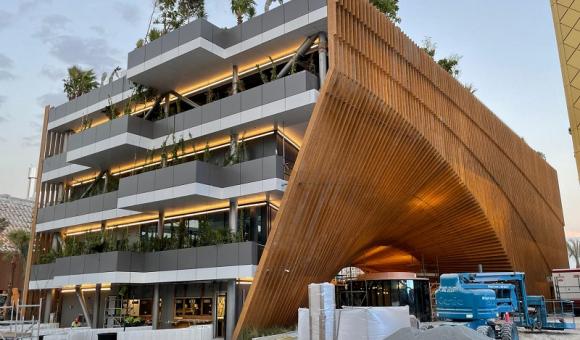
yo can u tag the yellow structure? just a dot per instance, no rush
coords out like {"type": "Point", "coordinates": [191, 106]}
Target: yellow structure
{"type": "Point", "coordinates": [566, 15]}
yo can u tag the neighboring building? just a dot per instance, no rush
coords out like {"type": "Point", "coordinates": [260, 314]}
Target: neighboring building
{"type": "Point", "coordinates": [17, 213]}
{"type": "Point", "coordinates": [566, 14]}
{"type": "Point", "coordinates": [233, 187]}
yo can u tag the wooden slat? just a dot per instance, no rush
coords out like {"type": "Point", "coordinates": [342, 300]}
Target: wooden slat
{"type": "Point", "coordinates": [399, 153]}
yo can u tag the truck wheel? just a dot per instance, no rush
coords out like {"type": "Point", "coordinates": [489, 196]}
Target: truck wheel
{"type": "Point", "coordinates": [509, 331]}
{"type": "Point", "coordinates": [486, 331]}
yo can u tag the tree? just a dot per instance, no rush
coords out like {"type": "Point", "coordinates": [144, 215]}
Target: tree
{"type": "Point", "coordinates": [16, 247]}
{"type": "Point", "coordinates": [574, 250]}
{"type": "Point", "coordinates": [79, 82]}
{"type": "Point", "coordinates": [174, 13]}
{"type": "Point", "coordinates": [449, 64]}
{"type": "Point", "coordinates": [389, 7]}
{"type": "Point", "coordinates": [241, 8]}
{"type": "Point", "coordinates": [269, 3]}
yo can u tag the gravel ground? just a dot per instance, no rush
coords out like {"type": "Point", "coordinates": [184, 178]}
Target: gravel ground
{"type": "Point", "coordinates": [549, 335]}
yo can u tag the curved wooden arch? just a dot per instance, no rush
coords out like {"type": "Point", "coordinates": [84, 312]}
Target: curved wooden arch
{"type": "Point", "coordinates": [399, 153]}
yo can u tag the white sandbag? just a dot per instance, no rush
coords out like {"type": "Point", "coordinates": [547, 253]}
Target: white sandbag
{"type": "Point", "coordinates": [322, 325]}
{"type": "Point", "coordinates": [321, 297]}
{"type": "Point", "coordinates": [372, 323]}
{"type": "Point", "coordinates": [303, 324]}
{"type": "Point", "coordinates": [321, 300]}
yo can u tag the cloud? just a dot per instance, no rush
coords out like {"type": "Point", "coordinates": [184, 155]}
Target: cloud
{"type": "Point", "coordinates": [99, 30]}
{"type": "Point", "coordinates": [129, 12]}
{"type": "Point", "coordinates": [5, 75]}
{"type": "Point", "coordinates": [3, 119]}
{"type": "Point", "coordinates": [52, 73]}
{"type": "Point", "coordinates": [2, 100]}
{"type": "Point", "coordinates": [5, 62]}
{"type": "Point", "coordinates": [5, 19]}
{"type": "Point", "coordinates": [93, 52]}
{"type": "Point", "coordinates": [26, 7]}
{"type": "Point", "coordinates": [52, 99]}
{"type": "Point", "coordinates": [73, 50]}
{"type": "Point", "coordinates": [52, 25]}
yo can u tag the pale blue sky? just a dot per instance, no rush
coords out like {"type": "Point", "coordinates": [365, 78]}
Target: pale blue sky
{"type": "Point", "coordinates": [508, 52]}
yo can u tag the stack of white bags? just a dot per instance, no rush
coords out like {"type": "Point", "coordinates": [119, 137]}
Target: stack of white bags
{"type": "Point", "coordinates": [322, 321]}
{"type": "Point", "coordinates": [322, 306]}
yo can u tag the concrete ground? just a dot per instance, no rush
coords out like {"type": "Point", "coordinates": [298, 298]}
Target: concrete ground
{"type": "Point", "coordinates": [549, 335]}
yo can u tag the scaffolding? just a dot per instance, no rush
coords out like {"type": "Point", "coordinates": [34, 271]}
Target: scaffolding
{"type": "Point", "coordinates": [19, 326]}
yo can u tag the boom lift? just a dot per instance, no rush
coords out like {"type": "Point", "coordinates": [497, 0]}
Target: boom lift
{"type": "Point", "coordinates": [495, 304]}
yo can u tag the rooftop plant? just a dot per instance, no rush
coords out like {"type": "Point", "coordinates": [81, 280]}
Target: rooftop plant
{"type": "Point", "coordinates": [243, 8]}
{"type": "Point", "coordinates": [79, 82]}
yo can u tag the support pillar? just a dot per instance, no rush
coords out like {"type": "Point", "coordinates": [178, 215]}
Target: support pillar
{"type": "Point", "coordinates": [97, 306]}
{"type": "Point", "coordinates": [155, 309]}
{"type": "Point", "coordinates": [233, 214]}
{"type": "Point", "coordinates": [235, 79]}
{"type": "Point", "coordinates": [322, 61]}
{"type": "Point", "coordinates": [166, 106]}
{"type": "Point", "coordinates": [161, 224]}
{"type": "Point", "coordinates": [83, 306]}
{"type": "Point", "coordinates": [48, 306]}
{"type": "Point", "coordinates": [230, 309]}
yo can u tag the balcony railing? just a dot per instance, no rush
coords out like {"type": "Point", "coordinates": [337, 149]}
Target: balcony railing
{"type": "Point", "coordinates": [206, 262]}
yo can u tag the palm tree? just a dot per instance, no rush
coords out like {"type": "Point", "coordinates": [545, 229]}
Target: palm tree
{"type": "Point", "coordinates": [16, 248]}
{"type": "Point", "coordinates": [79, 82]}
{"type": "Point", "coordinates": [574, 251]}
{"type": "Point", "coordinates": [269, 3]}
{"type": "Point", "coordinates": [241, 8]}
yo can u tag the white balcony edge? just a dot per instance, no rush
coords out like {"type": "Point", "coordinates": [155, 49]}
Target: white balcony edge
{"type": "Point", "coordinates": [89, 109]}
{"type": "Point", "coordinates": [225, 53]}
{"type": "Point", "coordinates": [183, 275]}
{"type": "Point", "coordinates": [199, 189]}
{"type": "Point", "coordinates": [260, 112]}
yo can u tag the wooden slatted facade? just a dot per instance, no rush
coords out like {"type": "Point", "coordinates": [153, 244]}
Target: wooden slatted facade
{"type": "Point", "coordinates": [399, 155]}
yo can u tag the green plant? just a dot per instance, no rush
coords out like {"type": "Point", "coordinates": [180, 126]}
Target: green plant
{"type": "Point", "coordinates": [206, 153]}
{"type": "Point", "coordinates": [243, 8]}
{"type": "Point", "coordinates": [263, 76]}
{"type": "Point", "coordinates": [389, 7]}
{"type": "Point", "coordinates": [252, 332]}
{"type": "Point", "coordinates": [273, 72]}
{"type": "Point", "coordinates": [269, 3]}
{"type": "Point", "coordinates": [48, 257]}
{"type": "Point", "coordinates": [210, 96]}
{"type": "Point", "coordinates": [79, 82]}
{"type": "Point", "coordinates": [86, 123]}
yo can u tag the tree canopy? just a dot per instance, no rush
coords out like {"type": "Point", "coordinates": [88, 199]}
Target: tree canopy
{"type": "Point", "coordinates": [79, 82]}
{"type": "Point", "coordinates": [243, 8]}
{"type": "Point", "coordinates": [389, 7]}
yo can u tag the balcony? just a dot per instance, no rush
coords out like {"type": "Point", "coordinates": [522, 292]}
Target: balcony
{"type": "Point", "coordinates": [56, 169]}
{"type": "Point", "coordinates": [200, 50]}
{"type": "Point", "coordinates": [120, 139]}
{"type": "Point", "coordinates": [86, 210]}
{"type": "Point", "coordinates": [178, 186]}
{"type": "Point", "coordinates": [289, 99]}
{"type": "Point", "coordinates": [67, 115]}
{"type": "Point", "coordinates": [216, 262]}
{"type": "Point", "coordinates": [199, 182]}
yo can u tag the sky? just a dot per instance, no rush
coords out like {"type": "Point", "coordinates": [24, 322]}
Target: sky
{"type": "Point", "coordinates": [508, 52]}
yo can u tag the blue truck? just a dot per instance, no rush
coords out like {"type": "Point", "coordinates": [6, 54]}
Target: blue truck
{"type": "Point", "coordinates": [496, 304]}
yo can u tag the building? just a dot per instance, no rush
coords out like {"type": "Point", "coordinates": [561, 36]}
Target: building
{"type": "Point", "coordinates": [16, 214]}
{"type": "Point", "coordinates": [566, 14]}
{"type": "Point", "coordinates": [222, 194]}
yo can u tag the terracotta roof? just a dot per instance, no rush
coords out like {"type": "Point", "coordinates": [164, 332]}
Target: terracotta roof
{"type": "Point", "coordinates": [18, 214]}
